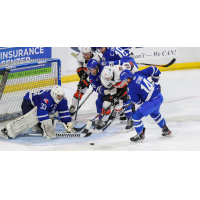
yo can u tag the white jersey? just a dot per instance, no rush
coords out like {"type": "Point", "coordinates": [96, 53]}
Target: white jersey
{"type": "Point", "coordinates": [83, 63]}
{"type": "Point", "coordinates": [115, 81]}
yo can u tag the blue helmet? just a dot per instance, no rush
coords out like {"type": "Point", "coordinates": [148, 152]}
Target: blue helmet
{"type": "Point", "coordinates": [92, 63]}
{"type": "Point", "coordinates": [126, 74]}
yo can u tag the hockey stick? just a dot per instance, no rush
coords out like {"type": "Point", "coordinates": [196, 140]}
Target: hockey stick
{"type": "Point", "coordinates": [83, 102]}
{"type": "Point", "coordinates": [167, 65]}
{"type": "Point", "coordinates": [118, 114]}
{"type": "Point", "coordinates": [89, 123]}
{"type": "Point", "coordinates": [57, 134]}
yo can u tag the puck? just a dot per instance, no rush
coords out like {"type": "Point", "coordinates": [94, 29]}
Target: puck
{"type": "Point", "coordinates": [91, 143]}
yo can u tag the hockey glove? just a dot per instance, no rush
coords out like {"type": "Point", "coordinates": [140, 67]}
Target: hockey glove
{"type": "Point", "coordinates": [83, 84]}
{"type": "Point", "coordinates": [155, 78]}
{"type": "Point", "coordinates": [82, 72]}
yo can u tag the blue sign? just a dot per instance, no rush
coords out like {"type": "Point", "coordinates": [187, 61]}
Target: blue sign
{"type": "Point", "coordinates": [24, 53]}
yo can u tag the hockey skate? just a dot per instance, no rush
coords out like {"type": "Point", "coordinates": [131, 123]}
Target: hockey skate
{"type": "Point", "coordinates": [123, 118]}
{"type": "Point", "coordinates": [94, 123]}
{"type": "Point", "coordinates": [101, 125]}
{"type": "Point", "coordinates": [137, 137]}
{"type": "Point", "coordinates": [37, 129]}
{"type": "Point", "coordinates": [72, 110]}
{"type": "Point", "coordinates": [113, 115]}
{"type": "Point", "coordinates": [166, 131]}
{"type": "Point", "coordinates": [129, 125]}
{"type": "Point", "coordinates": [3, 134]}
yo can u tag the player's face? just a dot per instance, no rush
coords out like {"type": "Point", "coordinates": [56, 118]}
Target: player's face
{"type": "Point", "coordinates": [102, 50]}
{"type": "Point", "coordinates": [93, 71]}
{"type": "Point", "coordinates": [59, 97]}
{"type": "Point", "coordinates": [87, 56]}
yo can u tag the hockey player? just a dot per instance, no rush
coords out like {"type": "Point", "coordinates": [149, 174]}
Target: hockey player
{"type": "Point", "coordinates": [144, 93]}
{"type": "Point", "coordinates": [36, 108]}
{"type": "Point", "coordinates": [110, 79]}
{"type": "Point", "coordinates": [95, 79]}
{"type": "Point", "coordinates": [83, 57]}
{"type": "Point", "coordinates": [112, 55]}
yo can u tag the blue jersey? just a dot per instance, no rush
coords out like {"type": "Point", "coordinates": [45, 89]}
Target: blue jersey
{"type": "Point", "coordinates": [113, 55]}
{"type": "Point", "coordinates": [126, 49]}
{"type": "Point", "coordinates": [126, 59]}
{"type": "Point", "coordinates": [96, 80]}
{"type": "Point", "coordinates": [140, 88]}
{"type": "Point", "coordinates": [47, 106]}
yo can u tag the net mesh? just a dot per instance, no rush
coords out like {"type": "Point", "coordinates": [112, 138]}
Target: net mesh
{"type": "Point", "coordinates": [22, 80]}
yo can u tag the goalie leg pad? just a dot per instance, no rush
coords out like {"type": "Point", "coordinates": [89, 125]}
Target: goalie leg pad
{"type": "Point", "coordinates": [22, 123]}
{"type": "Point", "coordinates": [48, 129]}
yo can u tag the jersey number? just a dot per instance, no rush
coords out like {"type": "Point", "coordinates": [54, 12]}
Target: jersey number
{"type": "Point", "coordinates": [148, 87]}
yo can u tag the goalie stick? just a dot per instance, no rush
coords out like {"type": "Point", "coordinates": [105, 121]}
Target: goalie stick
{"type": "Point", "coordinates": [167, 65]}
{"type": "Point", "coordinates": [65, 135]}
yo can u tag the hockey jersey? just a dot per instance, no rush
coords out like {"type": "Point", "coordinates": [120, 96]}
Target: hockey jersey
{"type": "Point", "coordinates": [113, 55]}
{"type": "Point", "coordinates": [47, 106]}
{"type": "Point", "coordinates": [115, 81]}
{"type": "Point", "coordinates": [96, 80]}
{"type": "Point", "coordinates": [140, 88]}
{"type": "Point", "coordinates": [83, 63]}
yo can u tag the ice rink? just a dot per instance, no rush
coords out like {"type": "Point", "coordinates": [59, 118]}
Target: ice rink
{"type": "Point", "coordinates": [181, 110]}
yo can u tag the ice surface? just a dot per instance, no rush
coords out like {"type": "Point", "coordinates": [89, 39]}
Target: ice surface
{"type": "Point", "coordinates": [181, 110]}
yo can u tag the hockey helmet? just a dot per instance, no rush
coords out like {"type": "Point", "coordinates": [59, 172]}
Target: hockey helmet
{"type": "Point", "coordinates": [57, 91]}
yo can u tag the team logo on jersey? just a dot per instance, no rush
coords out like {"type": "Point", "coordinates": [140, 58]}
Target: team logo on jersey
{"type": "Point", "coordinates": [103, 63]}
{"type": "Point", "coordinates": [46, 100]}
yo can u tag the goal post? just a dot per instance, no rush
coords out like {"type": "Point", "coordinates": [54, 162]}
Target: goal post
{"type": "Point", "coordinates": [19, 77]}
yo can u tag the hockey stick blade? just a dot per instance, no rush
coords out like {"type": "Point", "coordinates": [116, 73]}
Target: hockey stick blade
{"type": "Point", "coordinates": [88, 125]}
{"type": "Point", "coordinates": [79, 129]}
{"type": "Point", "coordinates": [167, 65]}
{"type": "Point", "coordinates": [95, 131]}
{"type": "Point", "coordinates": [62, 134]}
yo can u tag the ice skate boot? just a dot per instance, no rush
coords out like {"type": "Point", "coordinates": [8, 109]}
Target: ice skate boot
{"type": "Point", "coordinates": [72, 110]}
{"type": "Point", "coordinates": [137, 137]}
{"type": "Point", "coordinates": [3, 134]}
{"type": "Point", "coordinates": [123, 118]}
{"type": "Point", "coordinates": [166, 131]}
{"type": "Point", "coordinates": [113, 115]}
{"type": "Point", "coordinates": [101, 125]}
{"type": "Point", "coordinates": [129, 125]}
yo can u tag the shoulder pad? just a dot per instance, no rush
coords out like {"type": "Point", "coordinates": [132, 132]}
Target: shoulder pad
{"type": "Point", "coordinates": [80, 57]}
{"type": "Point", "coordinates": [97, 57]}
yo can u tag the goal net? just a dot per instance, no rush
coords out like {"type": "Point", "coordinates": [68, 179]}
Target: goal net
{"type": "Point", "coordinates": [18, 78]}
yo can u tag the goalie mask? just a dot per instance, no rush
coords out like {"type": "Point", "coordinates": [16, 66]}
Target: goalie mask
{"type": "Point", "coordinates": [57, 94]}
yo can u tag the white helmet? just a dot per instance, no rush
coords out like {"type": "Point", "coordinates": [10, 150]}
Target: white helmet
{"type": "Point", "coordinates": [107, 72]}
{"type": "Point", "coordinates": [57, 90]}
{"type": "Point", "coordinates": [85, 49]}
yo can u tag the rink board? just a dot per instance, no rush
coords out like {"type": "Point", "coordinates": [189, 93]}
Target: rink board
{"type": "Point", "coordinates": [176, 66]}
